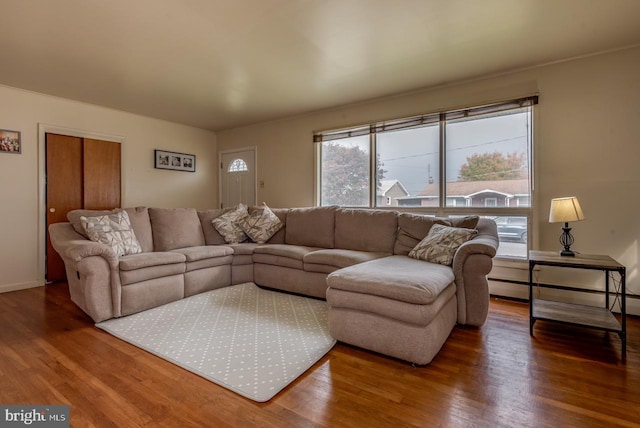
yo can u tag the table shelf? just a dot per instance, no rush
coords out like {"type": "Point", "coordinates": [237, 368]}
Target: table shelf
{"type": "Point", "coordinates": [601, 318]}
{"type": "Point", "coordinates": [571, 313]}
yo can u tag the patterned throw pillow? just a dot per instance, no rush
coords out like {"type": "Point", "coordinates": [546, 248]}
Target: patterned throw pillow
{"type": "Point", "coordinates": [113, 230]}
{"type": "Point", "coordinates": [261, 225]}
{"type": "Point", "coordinates": [441, 243]}
{"type": "Point", "coordinates": [228, 226]}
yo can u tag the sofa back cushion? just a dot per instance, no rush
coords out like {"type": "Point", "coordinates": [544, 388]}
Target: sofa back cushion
{"type": "Point", "coordinates": [138, 216]}
{"type": "Point", "coordinates": [281, 213]}
{"type": "Point", "coordinates": [175, 228]}
{"type": "Point", "coordinates": [141, 225]}
{"type": "Point", "coordinates": [211, 235]}
{"type": "Point", "coordinates": [412, 228]}
{"type": "Point", "coordinates": [366, 230]}
{"type": "Point", "coordinates": [312, 227]}
{"type": "Point", "coordinates": [74, 218]}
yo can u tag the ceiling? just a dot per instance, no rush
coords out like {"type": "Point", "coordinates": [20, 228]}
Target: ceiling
{"type": "Point", "coordinates": [218, 64]}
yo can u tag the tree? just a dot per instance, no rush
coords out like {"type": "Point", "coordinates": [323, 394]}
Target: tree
{"type": "Point", "coordinates": [493, 166]}
{"type": "Point", "coordinates": [345, 175]}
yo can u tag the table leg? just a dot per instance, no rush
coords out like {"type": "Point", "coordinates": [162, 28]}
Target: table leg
{"type": "Point", "coordinates": [531, 319]}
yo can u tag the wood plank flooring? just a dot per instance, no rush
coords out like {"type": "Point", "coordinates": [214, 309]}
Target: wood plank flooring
{"type": "Point", "coordinates": [50, 353]}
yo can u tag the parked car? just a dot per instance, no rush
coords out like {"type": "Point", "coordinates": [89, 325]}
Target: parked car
{"type": "Point", "coordinates": [512, 228]}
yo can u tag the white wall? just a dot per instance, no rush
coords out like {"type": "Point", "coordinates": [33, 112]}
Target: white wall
{"type": "Point", "coordinates": [21, 178]}
{"type": "Point", "coordinates": [587, 135]}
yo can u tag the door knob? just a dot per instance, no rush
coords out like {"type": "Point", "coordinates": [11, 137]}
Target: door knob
{"type": "Point", "coordinates": [52, 210]}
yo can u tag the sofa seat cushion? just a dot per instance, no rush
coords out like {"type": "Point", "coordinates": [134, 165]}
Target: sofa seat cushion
{"type": "Point", "coordinates": [193, 254]}
{"type": "Point", "coordinates": [142, 267]}
{"type": "Point", "coordinates": [390, 308]}
{"type": "Point", "coordinates": [281, 255]}
{"type": "Point", "coordinates": [244, 248]}
{"type": "Point", "coordinates": [143, 260]}
{"type": "Point", "coordinates": [395, 277]}
{"type": "Point", "coordinates": [243, 253]}
{"type": "Point", "coordinates": [206, 256]}
{"type": "Point", "coordinates": [329, 260]}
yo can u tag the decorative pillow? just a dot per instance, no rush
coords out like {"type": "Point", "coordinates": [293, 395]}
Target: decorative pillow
{"type": "Point", "coordinates": [441, 243]}
{"type": "Point", "coordinates": [228, 226]}
{"type": "Point", "coordinates": [74, 218]}
{"type": "Point", "coordinates": [113, 230]}
{"type": "Point", "coordinates": [261, 225]}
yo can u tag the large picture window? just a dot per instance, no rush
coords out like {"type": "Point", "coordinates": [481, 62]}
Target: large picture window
{"type": "Point", "coordinates": [470, 161]}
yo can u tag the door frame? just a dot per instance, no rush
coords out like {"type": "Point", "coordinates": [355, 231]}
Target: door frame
{"type": "Point", "coordinates": [43, 129]}
{"type": "Point", "coordinates": [254, 149]}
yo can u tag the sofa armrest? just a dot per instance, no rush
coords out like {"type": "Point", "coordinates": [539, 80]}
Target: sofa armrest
{"type": "Point", "coordinates": [71, 245]}
{"type": "Point", "coordinates": [472, 262]}
{"type": "Point", "coordinates": [78, 250]}
{"type": "Point", "coordinates": [485, 242]}
{"type": "Point", "coordinates": [92, 272]}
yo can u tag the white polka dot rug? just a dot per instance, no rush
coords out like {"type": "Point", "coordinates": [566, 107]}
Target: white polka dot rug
{"type": "Point", "coordinates": [249, 340]}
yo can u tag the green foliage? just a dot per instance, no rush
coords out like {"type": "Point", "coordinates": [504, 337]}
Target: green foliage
{"type": "Point", "coordinates": [345, 175]}
{"type": "Point", "coordinates": [493, 166]}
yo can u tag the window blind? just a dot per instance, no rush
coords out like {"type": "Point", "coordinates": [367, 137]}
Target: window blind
{"type": "Point", "coordinates": [424, 120]}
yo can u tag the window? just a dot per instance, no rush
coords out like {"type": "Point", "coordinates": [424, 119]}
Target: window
{"type": "Point", "coordinates": [237, 165]}
{"type": "Point", "coordinates": [345, 170]}
{"type": "Point", "coordinates": [410, 159]}
{"type": "Point", "coordinates": [470, 161]}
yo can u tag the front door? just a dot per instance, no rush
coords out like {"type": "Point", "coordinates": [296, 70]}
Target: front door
{"type": "Point", "coordinates": [238, 178]}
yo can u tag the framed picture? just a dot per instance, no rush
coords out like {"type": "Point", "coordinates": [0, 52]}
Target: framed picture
{"type": "Point", "coordinates": [10, 142]}
{"type": "Point", "coordinates": [174, 161]}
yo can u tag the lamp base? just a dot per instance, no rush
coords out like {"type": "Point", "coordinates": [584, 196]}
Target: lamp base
{"type": "Point", "coordinates": [567, 253]}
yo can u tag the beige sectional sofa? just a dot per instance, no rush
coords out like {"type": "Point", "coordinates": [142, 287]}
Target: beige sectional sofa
{"type": "Point", "coordinates": [380, 299]}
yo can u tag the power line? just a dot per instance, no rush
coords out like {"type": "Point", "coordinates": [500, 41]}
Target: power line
{"type": "Point", "coordinates": [452, 150]}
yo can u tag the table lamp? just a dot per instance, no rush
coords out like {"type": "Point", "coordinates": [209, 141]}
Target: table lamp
{"type": "Point", "coordinates": [564, 210]}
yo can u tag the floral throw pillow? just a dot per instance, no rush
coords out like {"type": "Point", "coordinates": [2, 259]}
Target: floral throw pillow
{"type": "Point", "coordinates": [113, 230]}
{"type": "Point", "coordinates": [261, 224]}
{"type": "Point", "coordinates": [228, 225]}
{"type": "Point", "coordinates": [441, 243]}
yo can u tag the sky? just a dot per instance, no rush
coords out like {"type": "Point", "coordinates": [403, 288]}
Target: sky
{"type": "Point", "coordinates": [411, 155]}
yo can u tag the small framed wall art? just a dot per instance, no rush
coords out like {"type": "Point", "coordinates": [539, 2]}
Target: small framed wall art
{"type": "Point", "coordinates": [10, 142]}
{"type": "Point", "coordinates": [174, 161]}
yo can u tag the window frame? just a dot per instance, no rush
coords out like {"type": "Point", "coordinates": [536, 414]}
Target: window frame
{"type": "Point", "coordinates": [442, 210]}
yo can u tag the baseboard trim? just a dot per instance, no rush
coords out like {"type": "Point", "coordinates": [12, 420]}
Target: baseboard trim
{"type": "Point", "coordinates": [5, 288]}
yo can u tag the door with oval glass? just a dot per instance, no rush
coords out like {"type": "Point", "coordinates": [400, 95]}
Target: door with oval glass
{"type": "Point", "coordinates": [237, 177]}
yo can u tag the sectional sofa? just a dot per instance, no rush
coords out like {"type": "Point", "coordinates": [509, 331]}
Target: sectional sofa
{"type": "Point", "coordinates": [380, 298]}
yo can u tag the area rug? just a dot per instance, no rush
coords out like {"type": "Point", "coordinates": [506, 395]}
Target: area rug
{"type": "Point", "coordinates": [244, 338]}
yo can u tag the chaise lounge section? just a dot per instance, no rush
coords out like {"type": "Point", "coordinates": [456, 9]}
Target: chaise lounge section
{"type": "Point", "coordinates": [380, 298]}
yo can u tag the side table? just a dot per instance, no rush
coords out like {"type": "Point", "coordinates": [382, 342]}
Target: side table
{"type": "Point", "coordinates": [601, 318]}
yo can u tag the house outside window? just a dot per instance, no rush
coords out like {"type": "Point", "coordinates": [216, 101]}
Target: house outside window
{"type": "Point", "coordinates": [491, 202]}
{"type": "Point", "coordinates": [471, 161]}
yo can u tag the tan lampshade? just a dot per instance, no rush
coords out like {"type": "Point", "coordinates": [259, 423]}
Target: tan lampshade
{"type": "Point", "coordinates": [564, 210]}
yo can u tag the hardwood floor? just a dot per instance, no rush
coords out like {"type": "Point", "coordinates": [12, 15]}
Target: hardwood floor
{"type": "Point", "coordinates": [50, 353]}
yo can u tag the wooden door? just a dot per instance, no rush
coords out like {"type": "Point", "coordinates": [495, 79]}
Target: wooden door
{"type": "Point", "coordinates": [64, 190]}
{"type": "Point", "coordinates": [81, 173]}
{"type": "Point", "coordinates": [102, 178]}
